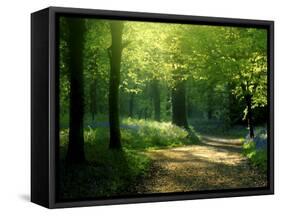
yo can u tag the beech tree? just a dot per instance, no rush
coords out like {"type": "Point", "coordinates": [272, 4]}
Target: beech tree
{"type": "Point", "coordinates": [115, 52]}
{"type": "Point", "coordinates": [75, 41]}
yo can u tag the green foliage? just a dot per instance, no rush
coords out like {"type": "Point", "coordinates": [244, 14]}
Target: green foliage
{"type": "Point", "coordinates": [257, 157]}
{"type": "Point", "coordinates": [153, 134]}
{"type": "Point", "coordinates": [217, 62]}
{"type": "Point", "coordinates": [113, 172]}
{"type": "Point", "coordinates": [107, 172]}
{"type": "Point", "coordinates": [220, 67]}
{"type": "Point", "coordinates": [215, 127]}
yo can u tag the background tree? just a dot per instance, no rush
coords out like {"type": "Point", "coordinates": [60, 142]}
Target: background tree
{"type": "Point", "coordinates": [115, 52]}
{"type": "Point", "coordinates": [96, 67]}
{"type": "Point", "coordinates": [247, 62]}
{"type": "Point", "coordinates": [76, 27]}
{"type": "Point", "coordinates": [179, 73]}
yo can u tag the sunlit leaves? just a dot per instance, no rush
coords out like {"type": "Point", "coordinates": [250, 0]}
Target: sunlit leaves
{"type": "Point", "coordinates": [215, 61]}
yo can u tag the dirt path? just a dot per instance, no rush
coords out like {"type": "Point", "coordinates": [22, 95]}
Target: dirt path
{"type": "Point", "coordinates": [217, 163]}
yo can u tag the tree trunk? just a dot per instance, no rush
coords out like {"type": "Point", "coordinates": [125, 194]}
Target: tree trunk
{"type": "Point", "coordinates": [75, 153]}
{"type": "Point", "coordinates": [188, 107]}
{"type": "Point", "coordinates": [168, 103]}
{"type": "Point", "coordinates": [156, 99]}
{"type": "Point", "coordinates": [209, 105]}
{"type": "Point", "coordinates": [248, 98]}
{"type": "Point", "coordinates": [131, 105]}
{"type": "Point", "coordinates": [93, 97]}
{"type": "Point", "coordinates": [210, 113]}
{"type": "Point", "coordinates": [94, 82]}
{"type": "Point", "coordinates": [210, 102]}
{"type": "Point", "coordinates": [114, 80]}
{"type": "Point", "coordinates": [140, 113]}
{"type": "Point", "coordinates": [179, 117]}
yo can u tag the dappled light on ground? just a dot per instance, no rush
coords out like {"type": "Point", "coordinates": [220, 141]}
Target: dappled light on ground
{"type": "Point", "coordinates": [217, 163]}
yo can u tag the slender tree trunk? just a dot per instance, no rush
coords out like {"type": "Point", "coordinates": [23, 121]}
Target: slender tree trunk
{"type": "Point", "coordinates": [94, 83]}
{"type": "Point", "coordinates": [140, 113]}
{"type": "Point", "coordinates": [210, 106]}
{"type": "Point", "coordinates": [156, 99]}
{"type": "Point", "coordinates": [114, 81]}
{"type": "Point", "coordinates": [179, 117]}
{"type": "Point", "coordinates": [210, 102]}
{"type": "Point", "coordinates": [75, 153]}
{"type": "Point", "coordinates": [93, 97]}
{"type": "Point", "coordinates": [145, 113]}
{"type": "Point", "coordinates": [131, 105]}
{"type": "Point", "coordinates": [250, 115]}
{"type": "Point", "coordinates": [188, 107]}
{"type": "Point", "coordinates": [210, 113]}
{"type": "Point", "coordinates": [168, 103]}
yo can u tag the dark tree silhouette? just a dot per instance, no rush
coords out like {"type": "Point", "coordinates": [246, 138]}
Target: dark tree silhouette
{"type": "Point", "coordinates": [115, 52]}
{"type": "Point", "coordinates": [156, 99]}
{"type": "Point", "coordinates": [248, 99]}
{"type": "Point", "coordinates": [93, 97]}
{"type": "Point", "coordinates": [94, 84]}
{"type": "Point", "coordinates": [131, 105]}
{"type": "Point", "coordinates": [210, 104]}
{"type": "Point", "coordinates": [75, 153]}
{"type": "Point", "coordinates": [179, 105]}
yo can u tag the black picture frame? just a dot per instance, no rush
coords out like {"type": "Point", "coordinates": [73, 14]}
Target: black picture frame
{"type": "Point", "coordinates": [44, 100]}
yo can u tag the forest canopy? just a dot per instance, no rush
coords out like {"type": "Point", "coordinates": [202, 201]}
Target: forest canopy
{"type": "Point", "coordinates": [218, 72]}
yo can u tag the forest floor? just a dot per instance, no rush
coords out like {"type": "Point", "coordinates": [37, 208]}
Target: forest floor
{"type": "Point", "coordinates": [215, 163]}
{"type": "Point", "coordinates": [159, 157]}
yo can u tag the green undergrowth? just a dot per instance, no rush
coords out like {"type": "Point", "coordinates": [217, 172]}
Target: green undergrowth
{"type": "Point", "coordinates": [117, 172]}
{"type": "Point", "coordinates": [151, 134]}
{"type": "Point", "coordinates": [218, 128]}
{"type": "Point", "coordinates": [106, 172]}
{"type": "Point", "coordinates": [258, 157]}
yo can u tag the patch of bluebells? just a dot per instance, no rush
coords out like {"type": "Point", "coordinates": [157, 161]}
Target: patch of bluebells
{"type": "Point", "coordinates": [260, 139]}
{"type": "Point", "coordinates": [106, 125]}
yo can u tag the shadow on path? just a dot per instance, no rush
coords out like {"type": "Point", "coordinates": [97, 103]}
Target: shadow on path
{"type": "Point", "coordinates": [231, 145]}
{"type": "Point", "coordinates": [216, 163]}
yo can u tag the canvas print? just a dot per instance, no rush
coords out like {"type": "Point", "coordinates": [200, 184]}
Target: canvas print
{"type": "Point", "coordinates": [159, 108]}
